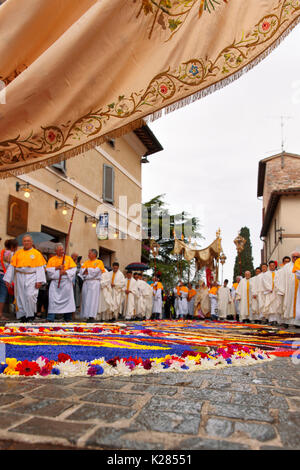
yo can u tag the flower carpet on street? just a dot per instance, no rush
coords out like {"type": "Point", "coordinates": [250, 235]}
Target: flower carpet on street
{"type": "Point", "coordinates": [108, 349]}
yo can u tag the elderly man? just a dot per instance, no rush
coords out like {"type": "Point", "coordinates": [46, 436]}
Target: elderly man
{"type": "Point", "coordinates": [27, 267]}
{"type": "Point", "coordinates": [61, 297]}
{"type": "Point", "coordinates": [288, 283]}
{"type": "Point", "coordinates": [273, 295]}
{"type": "Point", "coordinates": [90, 272]}
{"type": "Point", "coordinates": [244, 297]}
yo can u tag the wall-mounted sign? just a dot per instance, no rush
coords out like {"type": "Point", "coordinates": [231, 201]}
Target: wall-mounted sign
{"type": "Point", "coordinates": [102, 227]}
{"type": "Point", "coordinates": [17, 216]}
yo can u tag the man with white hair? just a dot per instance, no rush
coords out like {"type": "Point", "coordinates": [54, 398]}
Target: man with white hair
{"type": "Point", "coordinates": [90, 272]}
{"type": "Point", "coordinates": [273, 295]}
{"type": "Point", "coordinates": [27, 267]}
{"type": "Point", "coordinates": [61, 293]}
{"type": "Point", "coordinates": [288, 283]}
{"type": "Point", "coordinates": [244, 296]}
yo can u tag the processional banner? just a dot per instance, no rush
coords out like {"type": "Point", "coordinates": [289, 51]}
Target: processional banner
{"type": "Point", "coordinates": [73, 72]}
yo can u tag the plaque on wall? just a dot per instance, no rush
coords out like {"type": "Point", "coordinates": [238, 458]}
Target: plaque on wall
{"type": "Point", "coordinates": [17, 216]}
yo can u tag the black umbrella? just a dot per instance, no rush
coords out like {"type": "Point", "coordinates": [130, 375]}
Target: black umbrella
{"type": "Point", "coordinates": [137, 267]}
{"type": "Point", "coordinates": [37, 237]}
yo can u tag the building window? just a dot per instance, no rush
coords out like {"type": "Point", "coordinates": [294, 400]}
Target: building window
{"type": "Point", "coordinates": [108, 184]}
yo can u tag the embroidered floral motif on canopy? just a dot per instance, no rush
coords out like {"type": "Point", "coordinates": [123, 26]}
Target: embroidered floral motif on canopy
{"type": "Point", "coordinates": [80, 70]}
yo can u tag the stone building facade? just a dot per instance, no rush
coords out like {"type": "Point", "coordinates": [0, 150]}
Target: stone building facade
{"type": "Point", "coordinates": [279, 188]}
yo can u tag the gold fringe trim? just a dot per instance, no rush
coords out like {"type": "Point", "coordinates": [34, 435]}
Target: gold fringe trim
{"type": "Point", "coordinates": [119, 132]}
{"type": "Point", "coordinates": [74, 151]}
{"type": "Point", "coordinates": [223, 82]}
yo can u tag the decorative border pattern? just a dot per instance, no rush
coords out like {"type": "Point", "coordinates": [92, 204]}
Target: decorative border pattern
{"type": "Point", "coordinates": [70, 138]}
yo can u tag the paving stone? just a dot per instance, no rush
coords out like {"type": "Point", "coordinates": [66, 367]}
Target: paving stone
{"type": "Point", "coordinates": [215, 396]}
{"type": "Point", "coordinates": [289, 429]}
{"type": "Point", "coordinates": [7, 398]}
{"type": "Point", "coordinates": [219, 427]}
{"type": "Point", "coordinates": [112, 398]}
{"type": "Point", "coordinates": [46, 407]}
{"type": "Point", "coordinates": [52, 428]}
{"type": "Point", "coordinates": [8, 419]}
{"type": "Point", "coordinates": [14, 386]}
{"type": "Point", "coordinates": [57, 391]}
{"type": "Point", "coordinates": [112, 438]}
{"type": "Point", "coordinates": [181, 380]}
{"type": "Point", "coordinates": [271, 448]}
{"type": "Point", "coordinates": [154, 389]}
{"type": "Point", "coordinates": [110, 384]}
{"type": "Point", "coordinates": [260, 400]}
{"type": "Point", "coordinates": [240, 412]}
{"type": "Point", "coordinates": [163, 421]}
{"type": "Point", "coordinates": [260, 432]}
{"type": "Point", "coordinates": [171, 404]}
{"type": "Point", "coordinates": [210, 444]}
{"type": "Point", "coordinates": [104, 413]}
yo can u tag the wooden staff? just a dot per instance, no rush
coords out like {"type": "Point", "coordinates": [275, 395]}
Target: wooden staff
{"type": "Point", "coordinates": [68, 236]}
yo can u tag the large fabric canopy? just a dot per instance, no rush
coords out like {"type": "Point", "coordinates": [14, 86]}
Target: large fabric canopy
{"type": "Point", "coordinates": [204, 257]}
{"type": "Point", "coordinates": [78, 71]}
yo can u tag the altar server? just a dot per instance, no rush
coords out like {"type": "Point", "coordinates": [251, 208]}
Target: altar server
{"type": "Point", "coordinates": [213, 295]}
{"type": "Point", "coordinates": [233, 292]}
{"type": "Point", "coordinates": [191, 300]}
{"type": "Point", "coordinates": [90, 273]}
{"type": "Point", "coordinates": [183, 308]}
{"type": "Point", "coordinates": [224, 300]}
{"type": "Point", "coordinates": [61, 299]}
{"type": "Point", "coordinates": [27, 271]}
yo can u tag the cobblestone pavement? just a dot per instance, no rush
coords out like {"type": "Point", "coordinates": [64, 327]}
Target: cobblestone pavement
{"type": "Point", "coordinates": [255, 407]}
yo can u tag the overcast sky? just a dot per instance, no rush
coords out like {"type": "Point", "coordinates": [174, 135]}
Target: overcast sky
{"type": "Point", "coordinates": [212, 147]}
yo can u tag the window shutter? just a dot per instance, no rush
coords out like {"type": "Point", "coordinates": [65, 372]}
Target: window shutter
{"type": "Point", "coordinates": [108, 183]}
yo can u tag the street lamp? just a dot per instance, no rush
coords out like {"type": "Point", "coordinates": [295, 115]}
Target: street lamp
{"type": "Point", "coordinates": [223, 259]}
{"type": "Point", "coordinates": [239, 242]}
{"type": "Point", "coordinates": [63, 205]}
{"type": "Point", "coordinates": [24, 187]}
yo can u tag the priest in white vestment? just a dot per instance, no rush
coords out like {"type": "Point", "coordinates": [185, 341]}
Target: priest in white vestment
{"type": "Point", "coordinates": [141, 298]}
{"type": "Point", "coordinates": [27, 271]}
{"type": "Point", "coordinates": [254, 298]}
{"type": "Point", "coordinates": [224, 300]}
{"type": "Point", "coordinates": [157, 292]}
{"type": "Point", "coordinates": [259, 292]}
{"type": "Point", "coordinates": [288, 282]}
{"type": "Point", "coordinates": [90, 272]}
{"type": "Point", "coordinates": [233, 292]}
{"type": "Point", "coordinates": [105, 307]}
{"type": "Point", "coordinates": [296, 270]}
{"type": "Point", "coordinates": [118, 287]}
{"type": "Point", "coordinates": [61, 298]}
{"type": "Point", "coordinates": [148, 295]}
{"type": "Point", "coordinates": [131, 292]}
{"type": "Point", "coordinates": [244, 296]}
{"type": "Point", "coordinates": [273, 296]}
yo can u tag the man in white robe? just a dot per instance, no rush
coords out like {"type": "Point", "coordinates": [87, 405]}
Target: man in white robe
{"type": "Point", "coordinates": [157, 290]}
{"type": "Point", "coordinates": [130, 291]}
{"type": "Point", "coordinates": [118, 287]}
{"type": "Point", "coordinates": [183, 307]}
{"type": "Point", "coordinates": [296, 271]}
{"type": "Point", "coordinates": [259, 292]}
{"type": "Point", "coordinates": [176, 306]}
{"type": "Point", "coordinates": [254, 299]}
{"type": "Point", "coordinates": [27, 271]}
{"type": "Point", "coordinates": [61, 292]}
{"type": "Point", "coordinates": [273, 296]}
{"type": "Point", "coordinates": [141, 298]}
{"type": "Point", "coordinates": [148, 295]}
{"type": "Point", "coordinates": [244, 296]}
{"type": "Point", "coordinates": [213, 296]}
{"type": "Point", "coordinates": [224, 300]}
{"type": "Point", "coordinates": [105, 307]}
{"type": "Point", "coordinates": [288, 283]}
{"type": "Point", "coordinates": [90, 272]}
{"type": "Point", "coordinates": [233, 292]}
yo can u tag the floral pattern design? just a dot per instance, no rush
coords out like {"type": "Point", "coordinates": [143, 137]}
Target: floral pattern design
{"type": "Point", "coordinates": [165, 88]}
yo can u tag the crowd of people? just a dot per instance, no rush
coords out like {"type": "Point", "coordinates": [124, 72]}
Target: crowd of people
{"type": "Point", "coordinates": [59, 286]}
